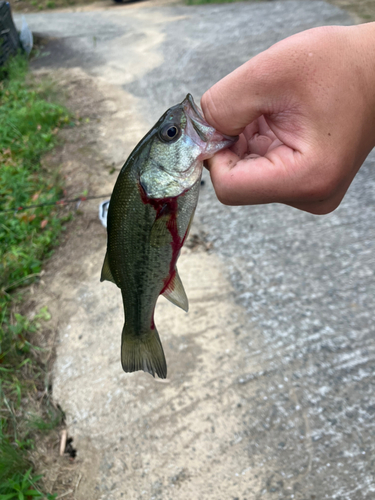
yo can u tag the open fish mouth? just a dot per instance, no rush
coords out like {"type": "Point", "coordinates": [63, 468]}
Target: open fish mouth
{"type": "Point", "coordinates": [188, 103]}
{"type": "Point", "coordinates": [203, 134]}
{"type": "Point", "coordinates": [195, 117]}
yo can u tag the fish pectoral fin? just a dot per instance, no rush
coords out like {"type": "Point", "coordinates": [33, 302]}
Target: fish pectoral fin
{"type": "Point", "coordinates": [162, 228]}
{"type": "Point", "coordinates": [176, 294]}
{"type": "Point", "coordinates": [106, 271]}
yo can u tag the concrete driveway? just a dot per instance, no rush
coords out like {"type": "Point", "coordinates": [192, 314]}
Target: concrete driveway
{"type": "Point", "coordinates": [271, 374]}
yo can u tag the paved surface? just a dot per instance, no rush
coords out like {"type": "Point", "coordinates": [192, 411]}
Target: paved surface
{"type": "Point", "coordinates": [271, 388]}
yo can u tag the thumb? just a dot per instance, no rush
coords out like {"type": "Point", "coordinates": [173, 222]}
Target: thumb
{"type": "Point", "coordinates": [248, 92]}
{"type": "Point", "coordinates": [233, 102]}
{"type": "Point", "coordinates": [266, 84]}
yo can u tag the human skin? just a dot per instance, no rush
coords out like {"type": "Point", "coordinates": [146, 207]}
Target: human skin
{"type": "Point", "coordinates": [305, 112]}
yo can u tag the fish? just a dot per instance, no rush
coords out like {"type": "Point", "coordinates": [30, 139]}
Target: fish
{"type": "Point", "coordinates": [149, 216]}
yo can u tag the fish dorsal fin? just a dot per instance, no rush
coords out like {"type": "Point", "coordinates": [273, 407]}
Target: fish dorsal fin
{"type": "Point", "coordinates": [176, 294]}
{"type": "Point", "coordinates": [106, 271]}
{"type": "Point", "coordinates": [163, 227]}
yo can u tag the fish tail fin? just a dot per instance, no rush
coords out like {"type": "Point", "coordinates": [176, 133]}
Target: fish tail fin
{"type": "Point", "coordinates": [143, 352]}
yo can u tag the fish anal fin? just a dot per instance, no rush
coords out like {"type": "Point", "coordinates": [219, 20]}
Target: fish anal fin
{"type": "Point", "coordinates": [143, 352]}
{"type": "Point", "coordinates": [106, 271]}
{"type": "Point", "coordinates": [176, 294]}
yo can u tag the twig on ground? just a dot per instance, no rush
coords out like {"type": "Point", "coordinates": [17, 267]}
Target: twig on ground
{"type": "Point", "coordinates": [64, 434]}
{"type": "Point", "coordinates": [64, 494]}
{"type": "Point", "coordinates": [79, 480]}
{"type": "Point", "coordinates": [18, 282]}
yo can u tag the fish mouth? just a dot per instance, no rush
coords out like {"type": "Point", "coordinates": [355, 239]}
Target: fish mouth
{"type": "Point", "coordinates": [188, 102]}
{"type": "Point", "coordinates": [201, 127]}
{"type": "Point", "coordinates": [202, 133]}
{"type": "Point", "coordinates": [195, 116]}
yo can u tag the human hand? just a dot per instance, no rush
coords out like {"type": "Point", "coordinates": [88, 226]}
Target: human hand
{"type": "Point", "coordinates": [305, 109]}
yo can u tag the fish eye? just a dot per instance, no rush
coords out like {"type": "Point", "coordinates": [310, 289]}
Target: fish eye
{"type": "Point", "coordinates": [170, 133]}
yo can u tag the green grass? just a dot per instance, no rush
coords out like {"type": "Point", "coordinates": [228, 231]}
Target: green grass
{"type": "Point", "coordinates": [28, 127]}
{"type": "Point", "coordinates": [22, 486]}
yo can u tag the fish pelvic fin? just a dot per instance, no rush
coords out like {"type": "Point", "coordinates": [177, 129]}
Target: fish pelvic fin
{"type": "Point", "coordinates": [176, 294]}
{"type": "Point", "coordinates": [106, 271]}
{"type": "Point", "coordinates": [143, 352]}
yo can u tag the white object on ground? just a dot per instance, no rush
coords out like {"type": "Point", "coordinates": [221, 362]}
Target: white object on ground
{"type": "Point", "coordinates": [103, 212]}
{"type": "Point", "coordinates": [26, 37]}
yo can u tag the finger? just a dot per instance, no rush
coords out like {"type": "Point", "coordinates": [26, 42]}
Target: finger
{"type": "Point", "coordinates": [264, 128]}
{"type": "Point", "coordinates": [259, 127]}
{"type": "Point", "coordinates": [262, 144]}
{"type": "Point", "coordinates": [250, 91]}
{"type": "Point", "coordinates": [251, 129]}
{"type": "Point", "coordinates": [257, 179]}
{"type": "Point", "coordinates": [240, 148]}
{"type": "Point", "coordinates": [230, 115]}
{"type": "Point", "coordinates": [259, 144]}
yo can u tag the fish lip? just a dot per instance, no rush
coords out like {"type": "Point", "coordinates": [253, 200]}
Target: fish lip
{"type": "Point", "coordinates": [189, 106]}
{"type": "Point", "coordinates": [189, 102]}
{"type": "Point", "coordinates": [196, 124]}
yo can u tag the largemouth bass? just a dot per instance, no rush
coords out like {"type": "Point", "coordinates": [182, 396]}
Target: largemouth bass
{"type": "Point", "coordinates": [149, 216]}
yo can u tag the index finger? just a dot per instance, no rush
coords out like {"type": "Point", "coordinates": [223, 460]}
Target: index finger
{"type": "Point", "coordinates": [256, 179]}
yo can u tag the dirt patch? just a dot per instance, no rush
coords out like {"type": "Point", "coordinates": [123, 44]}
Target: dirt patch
{"type": "Point", "coordinates": [85, 160]}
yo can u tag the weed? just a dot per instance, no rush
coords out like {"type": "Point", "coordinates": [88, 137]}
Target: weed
{"type": "Point", "coordinates": [12, 460]}
{"type": "Point", "coordinates": [28, 128]}
{"type": "Point", "coordinates": [21, 487]}
{"type": "Point", "coordinates": [52, 417]}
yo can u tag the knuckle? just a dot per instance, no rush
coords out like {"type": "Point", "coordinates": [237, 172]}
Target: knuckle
{"type": "Point", "coordinates": [323, 191]}
{"type": "Point", "coordinates": [322, 186]}
{"type": "Point", "coordinates": [324, 208]}
{"type": "Point", "coordinates": [224, 195]}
